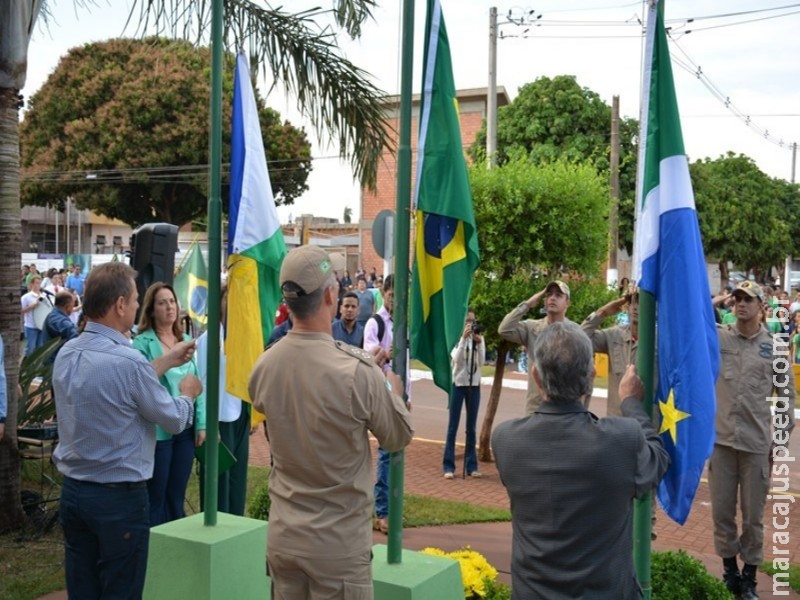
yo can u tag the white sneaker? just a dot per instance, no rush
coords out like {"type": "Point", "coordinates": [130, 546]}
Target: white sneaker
{"type": "Point", "coordinates": [476, 474]}
{"type": "Point", "coordinates": [448, 475]}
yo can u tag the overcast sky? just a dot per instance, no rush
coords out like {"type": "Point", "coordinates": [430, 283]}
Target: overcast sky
{"type": "Point", "coordinates": [751, 59]}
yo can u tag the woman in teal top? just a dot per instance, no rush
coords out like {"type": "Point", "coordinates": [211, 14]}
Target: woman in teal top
{"type": "Point", "coordinates": [158, 331]}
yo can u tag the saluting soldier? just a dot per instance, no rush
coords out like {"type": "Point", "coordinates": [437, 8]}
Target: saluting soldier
{"type": "Point", "coordinates": [514, 329]}
{"type": "Point", "coordinates": [753, 365]}
{"type": "Point", "coordinates": [321, 398]}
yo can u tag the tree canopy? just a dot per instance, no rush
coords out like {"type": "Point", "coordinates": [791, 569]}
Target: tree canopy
{"type": "Point", "coordinates": [122, 127]}
{"type": "Point", "coordinates": [746, 217]}
{"type": "Point", "coordinates": [556, 118]}
{"type": "Point", "coordinates": [535, 223]}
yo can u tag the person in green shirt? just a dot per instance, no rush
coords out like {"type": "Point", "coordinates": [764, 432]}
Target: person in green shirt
{"type": "Point", "coordinates": [159, 331]}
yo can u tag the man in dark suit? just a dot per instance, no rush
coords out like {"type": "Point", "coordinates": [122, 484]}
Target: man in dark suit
{"type": "Point", "coordinates": [572, 477]}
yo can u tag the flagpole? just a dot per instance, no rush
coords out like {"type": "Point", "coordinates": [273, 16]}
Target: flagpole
{"type": "Point", "coordinates": [402, 226]}
{"type": "Point", "coordinates": [642, 509]}
{"type": "Point", "coordinates": [214, 257]}
{"type": "Point", "coordinates": [645, 357]}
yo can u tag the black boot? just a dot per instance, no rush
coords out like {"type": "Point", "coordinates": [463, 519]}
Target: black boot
{"type": "Point", "coordinates": [748, 587]}
{"type": "Point", "coordinates": [731, 576]}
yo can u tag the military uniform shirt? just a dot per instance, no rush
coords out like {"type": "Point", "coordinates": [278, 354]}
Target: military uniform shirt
{"type": "Point", "coordinates": [745, 382]}
{"type": "Point", "coordinates": [321, 398]}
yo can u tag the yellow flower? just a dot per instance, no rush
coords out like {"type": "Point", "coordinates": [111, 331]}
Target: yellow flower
{"type": "Point", "coordinates": [475, 569]}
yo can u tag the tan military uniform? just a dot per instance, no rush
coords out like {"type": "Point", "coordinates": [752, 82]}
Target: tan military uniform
{"type": "Point", "coordinates": [740, 462]}
{"type": "Point", "coordinates": [618, 343]}
{"type": "Point", "coordinates": [321, 398]}
{"type": "Point", "coordinates": [515, 330]}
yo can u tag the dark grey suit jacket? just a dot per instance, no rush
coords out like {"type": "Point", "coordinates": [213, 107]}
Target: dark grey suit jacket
{"type": "Point", "coordinates": [572, 478]}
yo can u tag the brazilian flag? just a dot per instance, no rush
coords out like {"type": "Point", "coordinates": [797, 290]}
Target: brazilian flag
{"type": "Point", "coordinates": [191, 286]}
{"type": "Point", "coordinates": [446, 240]}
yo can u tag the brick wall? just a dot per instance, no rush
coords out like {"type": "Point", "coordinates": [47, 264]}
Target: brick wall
{"type": "Point", "coordinates": [472, 110]}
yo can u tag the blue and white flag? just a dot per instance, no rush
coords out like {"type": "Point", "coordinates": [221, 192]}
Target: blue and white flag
{"type": "Point", "coordinates": [670, 264]}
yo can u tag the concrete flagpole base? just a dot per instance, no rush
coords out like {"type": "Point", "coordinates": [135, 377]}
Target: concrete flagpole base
{"type": "Point", "coordinates": [188, 559]}
{"type": "Point", "coordinates": [417, 577]}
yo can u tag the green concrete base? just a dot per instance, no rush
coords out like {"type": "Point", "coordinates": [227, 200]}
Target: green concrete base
{"type": "Point", "coordinates": [189, 560]}
{"type": "Point", "coordinates": [417, 577]}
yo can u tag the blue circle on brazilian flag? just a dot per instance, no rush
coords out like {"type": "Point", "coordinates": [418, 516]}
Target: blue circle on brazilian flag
{"type": "Point", "coordinates": [198, 298]}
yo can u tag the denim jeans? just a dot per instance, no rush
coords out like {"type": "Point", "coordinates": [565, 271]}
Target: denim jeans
{"type": "Point", "coordinates": [382, 484]}
{"type": "Point", "coordinates": [471, 396]}
{"type": "Point", "coordinates": [33, 339]}
{"type": "Point", "coordinates": [171, 470]}
{"type": "Point", "coordinates": [106, 535]}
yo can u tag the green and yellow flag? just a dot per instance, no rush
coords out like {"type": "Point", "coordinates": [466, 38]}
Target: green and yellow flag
{"type": "Point", "coordinates": [191, 286]}
{"type": "Point", "coordinates": [446, 239]}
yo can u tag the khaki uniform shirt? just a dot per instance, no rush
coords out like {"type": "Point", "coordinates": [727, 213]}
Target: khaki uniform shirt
{"type": "Point", "coordinates": [618, 343]}
{"type": "Point", "coordinates": [745, 384]}
{"type": "Point", "coordinates": [321, 398]}
{"type": "Point", "coordinates": [515, 330]}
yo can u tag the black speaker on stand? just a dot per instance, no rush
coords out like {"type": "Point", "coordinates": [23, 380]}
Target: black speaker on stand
{"type": "Point", "coordinates": [153, 247]}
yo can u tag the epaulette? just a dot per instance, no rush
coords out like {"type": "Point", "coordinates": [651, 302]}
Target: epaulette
{"type": "Point", "coordinates": [359, 353]}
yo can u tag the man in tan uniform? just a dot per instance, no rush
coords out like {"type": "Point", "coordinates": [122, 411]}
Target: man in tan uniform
{"type": "Point", "coordinates": [321, 399]}
{"type": "Point", "coordinates": [750, 371]}
{"type": "Point", "coordinates": [518, 331]}
{"type": "Point", "coordinates": [619, 342]}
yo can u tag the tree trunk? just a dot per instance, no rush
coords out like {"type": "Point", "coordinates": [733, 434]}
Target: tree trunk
{"type": "Point", "coordinates": [485, 440]}
{"type": "Point", "coordinates": [723, 276]}
{"type": "Point", "coordinates": [10, 327]}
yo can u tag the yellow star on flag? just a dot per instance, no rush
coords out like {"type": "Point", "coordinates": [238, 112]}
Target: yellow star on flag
{"type": "Point", "coordinates": [670, 417]}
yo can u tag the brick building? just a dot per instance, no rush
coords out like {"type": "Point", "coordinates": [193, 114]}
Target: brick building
{"type": "Point", "coordinates": [472, 112]}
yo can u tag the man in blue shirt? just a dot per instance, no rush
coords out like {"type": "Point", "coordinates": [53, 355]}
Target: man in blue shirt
{"type": "Point", "coordinates": [75, 280]}
{"type": "Point", "coordinates": [108, 398]}
{"type": "Point", "coordinates": [347, 329]}
{"type": "Point", "coordinates": [58, 324]}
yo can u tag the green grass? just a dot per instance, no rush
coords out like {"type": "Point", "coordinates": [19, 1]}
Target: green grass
{"type": "Point", "coordinates": [794, 574]}
{"type": "Point", "coordinates": [421, 511]}
{"type": "Point", "coordinates": [32, 568]}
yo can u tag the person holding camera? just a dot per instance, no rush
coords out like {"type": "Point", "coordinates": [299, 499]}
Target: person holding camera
{"type": "Point", "coordinates": [467, 358]}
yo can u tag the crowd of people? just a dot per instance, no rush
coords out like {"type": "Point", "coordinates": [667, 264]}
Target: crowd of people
{"type": "Point", "coordinates": [131, 416]}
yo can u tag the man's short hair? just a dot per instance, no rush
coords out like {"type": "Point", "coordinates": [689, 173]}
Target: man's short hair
{"type": "Point", "coordinates": [388, 283]}
{"type": "Point", "coordinates": [350, 295]}
{"type": "Point", "coordinates": [564, 358]}
{"type": "Point", "coordinates": [64, 299]}
{"type": "Point", "coordinates": [303, 306]}
{"type": "Point", "coordinates": [104, 285]}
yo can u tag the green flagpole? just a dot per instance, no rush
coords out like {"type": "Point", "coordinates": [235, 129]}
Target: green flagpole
{"type": "Point", "coordinates": [402, 227]}
{"type": "Point", "coordinates": [642, 511]}
{"type": "Point", "coordinates": [214, 257]}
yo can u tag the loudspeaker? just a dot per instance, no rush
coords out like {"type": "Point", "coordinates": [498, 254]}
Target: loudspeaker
{"type": "Point", "coordinates": [153, 247]}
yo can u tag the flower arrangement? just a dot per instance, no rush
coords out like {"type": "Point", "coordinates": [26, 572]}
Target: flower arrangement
{"type": "Point", "coordinates": [477, 575]}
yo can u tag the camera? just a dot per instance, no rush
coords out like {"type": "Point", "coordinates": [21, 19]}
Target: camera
{"type": "Point", "coordinates": [477, 328]}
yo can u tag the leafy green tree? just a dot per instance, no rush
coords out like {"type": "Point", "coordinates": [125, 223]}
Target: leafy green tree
{"type": "Point", "coordinates": [746, 217]}
{"type": "Point", "coordinates": [294, 49]}
{"type": "Point", "coordinates": [535, 222]}
{"type": "Point", "coordinates": [135, 114]}
{"type": "Point", "coordinates": [556, 118]}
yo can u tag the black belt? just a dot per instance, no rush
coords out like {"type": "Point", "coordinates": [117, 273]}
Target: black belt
{"type": "Point", "coordinates": [117, 485]}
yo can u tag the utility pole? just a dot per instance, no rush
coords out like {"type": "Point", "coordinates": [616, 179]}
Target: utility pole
{"type": "Point", "coordinates": [612, 275]}
{"type": "Point", "coordinates": [491, 100]}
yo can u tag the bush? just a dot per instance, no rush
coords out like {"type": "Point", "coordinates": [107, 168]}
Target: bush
{"type": "Point", "coordinates": [678, 576]}
{"type": "Point", "coordinates": [259, 505]}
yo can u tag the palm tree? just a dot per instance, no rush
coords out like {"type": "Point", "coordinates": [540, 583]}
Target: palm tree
{"type": "Point", "coordinates": [335, 95]}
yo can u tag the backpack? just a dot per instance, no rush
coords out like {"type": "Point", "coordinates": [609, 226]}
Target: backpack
{"type": "Point", "coordinates": [381, 326]}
